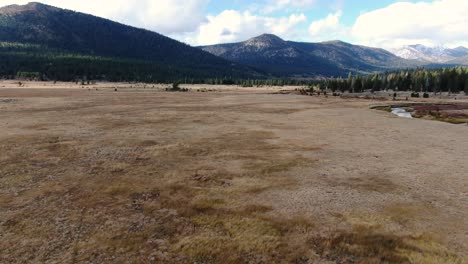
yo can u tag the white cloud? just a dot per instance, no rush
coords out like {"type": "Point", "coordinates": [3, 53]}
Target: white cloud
{"type": "Point", "coordinates": [438, 22]}
{"type": "Point", "coordinates": [164, 16]}
{"type": "Point", "coordinates": [331, 22]}
{"type": "Point", "coordinates": [186, 19]}
{"type": "Point", "coordinates": [328, 28]}
{"type": "Point", "coordinates": [232, 26]}
{"type": "Point", "coordinates": [284, 26]}
{"type": "Point", "coordinates": [275, 5]}
{"type": "Point", "coordinates": [430, 23]}
{"type": "Point", "coordinates": [167, 17]}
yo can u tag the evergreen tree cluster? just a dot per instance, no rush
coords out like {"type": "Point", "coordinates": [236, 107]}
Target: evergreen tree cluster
{"type": "Point", "coordinates": [35, 62]}
{"type": "Point", "coordinates": [451, 80]}
{"type": "Point", "coordinates": [19, 60]}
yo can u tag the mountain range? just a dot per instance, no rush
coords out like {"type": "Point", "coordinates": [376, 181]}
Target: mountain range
{"type": "Point", "coordinates": [438, 54]}
{"type": "Point", "coordinates": [298, 59]}
{"type": "Point", "coordinates": [54, 43]}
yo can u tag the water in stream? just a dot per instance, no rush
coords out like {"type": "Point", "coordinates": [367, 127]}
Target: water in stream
{"type": "Point", "coordinates": [401, 112]}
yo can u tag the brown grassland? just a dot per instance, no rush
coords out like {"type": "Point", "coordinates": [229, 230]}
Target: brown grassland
{"type": "Point", "coordinates": [140, 175]}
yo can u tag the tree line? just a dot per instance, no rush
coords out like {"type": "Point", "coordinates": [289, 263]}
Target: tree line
{"type": "Point", "coordinates": [447, 80]}
{"type": "Point", "coordinates": [25, 62]}
{"type": "Point", "coordinates": [420, 80]}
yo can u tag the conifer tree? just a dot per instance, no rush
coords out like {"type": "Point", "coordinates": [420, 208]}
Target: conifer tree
{"type": "Point", "coordinates": [466, 86]}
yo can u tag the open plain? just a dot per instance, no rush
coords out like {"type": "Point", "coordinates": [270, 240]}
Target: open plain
{"type": "Point", "coordinates": [138, 175]}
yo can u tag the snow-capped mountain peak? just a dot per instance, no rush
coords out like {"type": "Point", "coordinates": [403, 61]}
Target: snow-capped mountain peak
{"type": "Point", "coordinates": [438, 54]}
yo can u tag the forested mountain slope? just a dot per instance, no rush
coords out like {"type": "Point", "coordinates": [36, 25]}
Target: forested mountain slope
{"type": "Point", "coordinates": [35, 35]}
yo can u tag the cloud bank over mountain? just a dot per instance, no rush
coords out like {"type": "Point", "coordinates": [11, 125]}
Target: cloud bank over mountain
{"type": "Point", "coordinates": [203, 22]}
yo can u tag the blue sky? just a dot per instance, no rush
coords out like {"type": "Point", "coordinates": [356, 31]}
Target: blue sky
{"type": "Point", "coordinates": [380, 23]}
{"type": "Point", "coordinates": [317, 10]}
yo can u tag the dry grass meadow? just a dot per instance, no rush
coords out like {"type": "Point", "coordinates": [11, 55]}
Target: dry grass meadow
{"type": "Point", "coordinates": [139, 175]}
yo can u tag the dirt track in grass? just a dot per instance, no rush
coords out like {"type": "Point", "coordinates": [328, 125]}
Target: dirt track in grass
{"type": "Point", "coordinates": [228, 176]}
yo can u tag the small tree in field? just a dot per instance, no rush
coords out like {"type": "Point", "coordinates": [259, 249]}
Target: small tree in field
{"type": "Point", "coordinates": [466, 87]}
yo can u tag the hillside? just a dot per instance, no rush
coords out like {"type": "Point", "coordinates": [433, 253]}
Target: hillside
{"type": "Point", "coordinates": [460, 61]}
{"type": "Point", "coordinates": [48, 32]}
{"type": "Point", "coordinates": [271, 53]}
{"type": "Point", "coordinates": [276, 56]}
{"type": "Point", "coordinates": [431, 54]}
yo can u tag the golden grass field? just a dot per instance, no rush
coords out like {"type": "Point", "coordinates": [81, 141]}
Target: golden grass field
{"type": "Point", "coordinates": [230, 175]}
